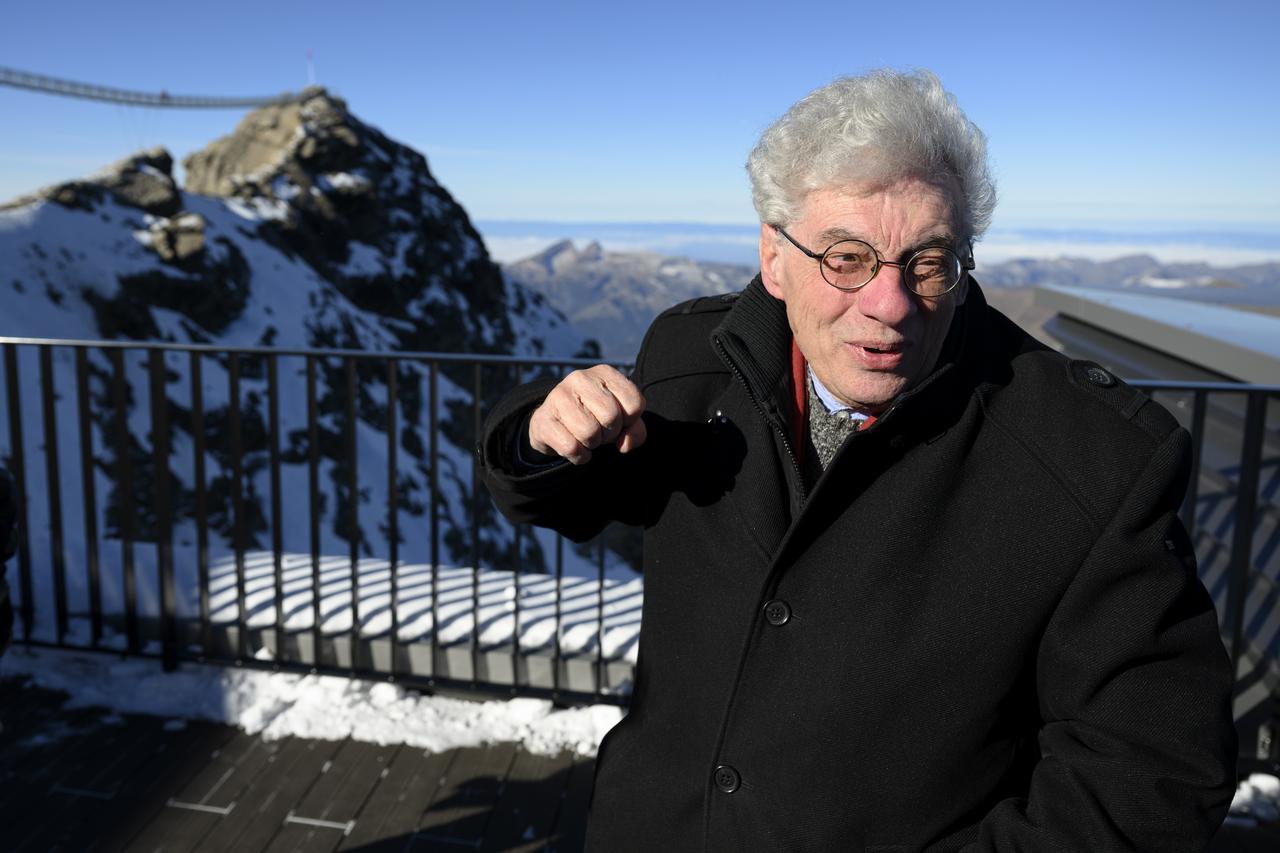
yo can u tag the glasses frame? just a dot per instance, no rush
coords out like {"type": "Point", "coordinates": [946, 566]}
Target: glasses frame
{"type": "Point", "coordinates": [966, 264]}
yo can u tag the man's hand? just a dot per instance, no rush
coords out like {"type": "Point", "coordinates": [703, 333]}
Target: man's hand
{"type": "Point", "coordinates": [587, 409]}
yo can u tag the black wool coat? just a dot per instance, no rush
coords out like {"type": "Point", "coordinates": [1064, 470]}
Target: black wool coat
{"type": "Point", "coordinates": [980, 630]}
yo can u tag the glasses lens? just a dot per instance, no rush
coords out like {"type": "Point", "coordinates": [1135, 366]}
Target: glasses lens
{"type": "Point", "coordinates": [849, 263]}
{"type": "Point", "coordinates": [933, 272]}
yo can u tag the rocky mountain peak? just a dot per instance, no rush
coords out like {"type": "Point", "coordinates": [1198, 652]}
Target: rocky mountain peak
{"type": "Point", "coordinates": [317, 130]}
{"type": "Point", "coordinates": [143, 180]}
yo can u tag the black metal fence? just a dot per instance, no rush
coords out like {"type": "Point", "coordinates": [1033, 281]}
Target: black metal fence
{"type": "Point", "coordinates": [109, 437]}
{"type": "Point", "coordinates": [88, 418]}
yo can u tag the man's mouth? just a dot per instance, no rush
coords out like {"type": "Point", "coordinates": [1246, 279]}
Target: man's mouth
{"type": "Point", "coordinates": [882, 349]}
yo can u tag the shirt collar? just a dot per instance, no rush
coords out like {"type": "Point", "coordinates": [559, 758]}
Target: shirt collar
{"type": "Point", "coordinates": [829, 401]}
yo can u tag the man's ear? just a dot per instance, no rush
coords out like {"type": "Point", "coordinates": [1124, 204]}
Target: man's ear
{"type": "Point", "coordinates": [770, 261]}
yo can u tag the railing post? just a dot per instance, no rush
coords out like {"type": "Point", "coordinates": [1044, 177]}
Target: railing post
{"type": "Point", "coordinates": [277, 519]}
{"type": "Point", "coordinates": [433, 437]}
{"type": "Point", "coordinates": [237, 501]}
{"type": "Point", "coordinates": [53, 488]}
{"type": "Point", "coordinates": [353, 504]}
{"type": "Point", "coordinates": [393, 510]}
{"type": "Point", "coordinates": [1242, 535]}
{"type": "Point", "coordinates": [89, 495]}
{"type": "Point", "coordinates": [124, 496]}
{"type": "Point", "coordinates": [475, 528]}
{"type": "Point", "coordinates": [202, 514]}
{"type": "Point", "coordinates": [18, 468]}
{"type": "Point", "coordinates": [164, 518]}
{"type": "Point", "coordinates": [313, 491]}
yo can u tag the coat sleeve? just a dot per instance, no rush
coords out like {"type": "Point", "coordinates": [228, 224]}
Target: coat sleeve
{"type": "Point", "coordinates": [575, 500]}
{"type": "Point", "coordinates": [1137, 744]}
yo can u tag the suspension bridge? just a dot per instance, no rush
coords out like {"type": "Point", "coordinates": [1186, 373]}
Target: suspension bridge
{"type": "Point", "coordinates": [92, 92]}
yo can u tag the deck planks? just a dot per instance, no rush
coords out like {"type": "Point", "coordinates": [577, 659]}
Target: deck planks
{"type": "Point", "coordinates": [90, 781]}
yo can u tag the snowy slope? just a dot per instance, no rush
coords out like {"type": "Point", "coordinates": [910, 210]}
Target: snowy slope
{"type": "Point", "coordinates": [310, 229]}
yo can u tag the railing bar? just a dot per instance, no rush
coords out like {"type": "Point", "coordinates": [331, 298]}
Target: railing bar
{"type": "Point", "coordinates": [475, 527]}
{"type": "Point", "coordinates": [313, 491]}
{"type": "Point", "coordinates": [393, 510]}
{"type": "Point", "coordinates": [433, 421]}
{"type": "Point", "coordinates": [516, 569]}
{"type": "Point", "coordinates": [125, 497]}
{"type": "Point", "coordinates": [53, 488]}
{"type": "Point", "coordinates": [164, 518]}
{"type": "Point", "coordinates": [1198, 408]}
{"type": "Point", "coordinates": [353, 505]}
{"type": "Point", "coordinates": [89, 497]}
{"type": "Point", "coordinates": [1242, 536]}
{"type": "Point", "coordinates": [215, 349]}
{"type": "Point", "coordinates": [202, 510]}
{"type": "Point", "coordinates": [600, 667]}
{"type": "Point", "coordinates": [18, 467]}
{"type": "Point", "coordinates": [558, 658]}
{"type": "Point", "coordinates": [277, 514]}
{"type": "Point", "coordinates": [237, 502]}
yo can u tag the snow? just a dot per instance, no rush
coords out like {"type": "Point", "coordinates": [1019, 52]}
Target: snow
{"type": "Point", "coordinates": [278, 705]}
{"type": "Point", "coordinates": [363, 260]}
{"type": "Point", "coordinates": [1257, 797]}
{"type": "Point", "coordinates": [343, 181]}
{"type": "Point", "coordinates": [498, 593]}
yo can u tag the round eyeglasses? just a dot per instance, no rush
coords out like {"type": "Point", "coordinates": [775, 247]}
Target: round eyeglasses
{"type": "Point", "coordinates": [849, 264]}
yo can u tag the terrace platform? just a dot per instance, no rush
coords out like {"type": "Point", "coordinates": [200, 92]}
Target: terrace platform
{"type": "Point", "coordinates": [91, 780]}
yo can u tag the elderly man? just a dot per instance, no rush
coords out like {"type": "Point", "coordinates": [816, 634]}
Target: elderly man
{"type": "Point", "coordinates": [913, 581]}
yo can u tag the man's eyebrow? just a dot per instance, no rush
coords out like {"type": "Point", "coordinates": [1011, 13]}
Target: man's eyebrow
{"type": "Point", "coordinates": [834, 235]}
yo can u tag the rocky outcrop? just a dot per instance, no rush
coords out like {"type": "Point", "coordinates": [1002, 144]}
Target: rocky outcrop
{"type": "Point", "coordinates": [178, 240]}
{"type": "Point", "coordinates": [365, 212]}
{"type": "Point", "coordinates": [143, 181]}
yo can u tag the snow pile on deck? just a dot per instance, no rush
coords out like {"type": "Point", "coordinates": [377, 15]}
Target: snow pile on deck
{"type": "Point", "coordinates": [279, 705]}
{"type": "Point", "coordinates": [1258, 797]}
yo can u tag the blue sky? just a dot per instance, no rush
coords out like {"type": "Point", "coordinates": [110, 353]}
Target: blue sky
{"type": "Point", "coordinates": [1137, 115]}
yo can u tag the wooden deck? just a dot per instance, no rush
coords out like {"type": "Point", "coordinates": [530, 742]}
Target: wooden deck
{"type": "Point", "coordinates": [89, 780]}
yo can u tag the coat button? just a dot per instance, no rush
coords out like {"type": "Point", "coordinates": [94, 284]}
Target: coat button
{"type": "Point", "coordinates": [1100, 377]}
{"type": "Point", "coordinates": [727, 779]}
{"type": "Point", "coordinates": [777, 612]}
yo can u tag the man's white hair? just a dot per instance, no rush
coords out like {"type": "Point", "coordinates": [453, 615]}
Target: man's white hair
{"type": "Point", "coordinates": [879, 128]}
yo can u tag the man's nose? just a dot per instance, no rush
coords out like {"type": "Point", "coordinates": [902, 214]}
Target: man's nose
{"type": "Point", "coordinates": [886, 297]}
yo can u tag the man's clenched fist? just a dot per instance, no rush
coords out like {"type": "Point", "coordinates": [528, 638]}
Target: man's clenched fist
{"type": "Point", "coordinates": [587, 409]}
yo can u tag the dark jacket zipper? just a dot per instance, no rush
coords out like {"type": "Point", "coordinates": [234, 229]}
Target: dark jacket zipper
{"type": "Point", "coordinates": [782, 433]}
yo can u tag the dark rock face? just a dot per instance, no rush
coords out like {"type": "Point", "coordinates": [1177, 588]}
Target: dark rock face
{"type": "Point", "coordinates": [347, 193]}
{"type": "Point", "coordinates": [143, 181]}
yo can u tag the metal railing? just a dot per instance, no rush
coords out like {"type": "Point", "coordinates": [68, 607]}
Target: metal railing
{"type": "Point", "coordinates": [1230, 510]}
{"type": "Point", "coordinates": [106, 380]}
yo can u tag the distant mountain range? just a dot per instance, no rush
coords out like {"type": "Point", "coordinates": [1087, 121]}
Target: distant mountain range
{"type": "Point", "coordinates": [613, 296]}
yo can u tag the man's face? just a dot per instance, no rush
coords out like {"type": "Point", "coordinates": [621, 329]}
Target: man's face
{"type": "Point", "coordinates": [870, 345]}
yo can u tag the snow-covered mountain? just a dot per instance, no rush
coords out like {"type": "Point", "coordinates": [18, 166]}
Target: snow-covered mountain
{"type": "Point", "coordinates": [304, 228]}
{"type": "Point", "coordinates": [613, 296]}
{"type": "Point", "coordinates": [1248, 284]}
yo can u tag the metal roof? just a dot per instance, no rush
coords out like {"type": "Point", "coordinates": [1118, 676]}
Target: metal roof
{"type": "Point", "coordinates": [1241, 344]}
